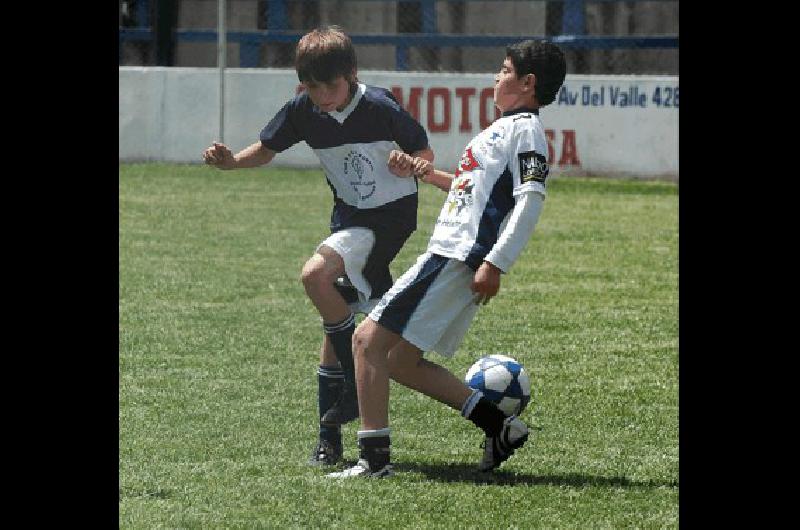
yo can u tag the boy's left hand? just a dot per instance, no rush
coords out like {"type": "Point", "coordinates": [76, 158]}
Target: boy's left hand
{"type": "Point", "coordinates": [485, 283]}
{"type": "Point", "coordinates": [400, 164]}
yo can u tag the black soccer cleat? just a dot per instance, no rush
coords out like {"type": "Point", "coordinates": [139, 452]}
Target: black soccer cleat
{"type": "Point", "coordinates": [325, 454]}
{"type": "Point", "coordinates": [343, 411]}
{"type": "Point", "coordinates": [497, 449]}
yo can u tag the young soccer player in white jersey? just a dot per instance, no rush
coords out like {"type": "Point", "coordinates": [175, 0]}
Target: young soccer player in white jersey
{"type": "Point", "coordinates": [353, 129]}
{"type": "Point", "coordinates": [494, 201]}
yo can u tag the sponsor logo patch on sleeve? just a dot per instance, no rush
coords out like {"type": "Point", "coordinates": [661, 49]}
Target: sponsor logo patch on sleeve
{"type": "Point", "coordinates": [532, 167]}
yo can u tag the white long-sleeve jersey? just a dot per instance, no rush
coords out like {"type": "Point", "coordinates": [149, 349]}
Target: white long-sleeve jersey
{"type": "Point", "coordinates": [502, 164]}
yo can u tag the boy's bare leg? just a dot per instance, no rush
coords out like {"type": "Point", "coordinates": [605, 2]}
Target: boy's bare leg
{"type": "Point", "coordinates": [410, 369]}
{"type": "Point", "coordinates": [336, 384]}
{"type": "Point", "coordinates": [381, 354]}
{"type": "Point", "coordinates": [503, 435]}
{"type": "Point", "coordinates": [371, 345]}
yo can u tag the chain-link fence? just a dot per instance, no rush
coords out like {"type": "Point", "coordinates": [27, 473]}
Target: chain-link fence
{"type": "Point", "coordinates": [598, 36]}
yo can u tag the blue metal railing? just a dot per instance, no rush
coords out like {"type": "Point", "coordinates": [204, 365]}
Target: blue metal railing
{"type": "Point", "coordinates": [277, 21]}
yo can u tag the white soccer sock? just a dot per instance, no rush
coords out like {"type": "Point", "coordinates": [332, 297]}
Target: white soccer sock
{"type": "Point", "coordinates": [377, 433]}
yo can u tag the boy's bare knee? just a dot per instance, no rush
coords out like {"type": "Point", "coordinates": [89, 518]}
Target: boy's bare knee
{"type": "Point", "coordinates": [321, 270]}
{"type": "Point", "coordinates": [360, 340]}
{"type": "Point", "coordinates": [370, 340]}
{"type": "Point", "coordinates": [313, 272]}
{"type": "Point", "coordinates": [308, 272]}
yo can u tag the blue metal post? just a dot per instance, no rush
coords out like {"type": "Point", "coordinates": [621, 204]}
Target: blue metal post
{"type": "Point", "coordinates": [277, 19]}
{"type": "Point", "coordinates": [401, 57]}
{"type": "Point", "coordinates": [429, 25]}
{"type": "Point", "coordinates": [573, 17]}
{"type": "Point", "coordinates": [143, 13]}
{"type": "Point", "coordinates": [428, 16]}
{"type": "Point", "coordinates": [276, 15]}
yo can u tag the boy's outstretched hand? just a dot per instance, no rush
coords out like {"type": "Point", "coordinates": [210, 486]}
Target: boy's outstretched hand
{"type": "Point", "coordinates": [219, 156]}
{"type": "Point", "coordinates": [422, 168]}
{"type": "Point", "coordinates": [404, 165]}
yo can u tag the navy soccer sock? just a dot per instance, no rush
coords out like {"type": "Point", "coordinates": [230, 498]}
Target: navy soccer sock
{"type": "Point", "coordinates": [374, 447]}
{"type": "Point", "coordinates": [330, 380]}
{"type": "Point", "coordinates": [341, 336]}
{"type": "Point", "coordinates": [483, 413]}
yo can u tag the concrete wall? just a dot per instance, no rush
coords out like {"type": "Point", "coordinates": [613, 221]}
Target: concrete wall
{"type": "Point", "coordinates": [603, 125]}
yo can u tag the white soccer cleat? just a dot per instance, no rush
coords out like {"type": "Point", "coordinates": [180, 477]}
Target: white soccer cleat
{"type": "Point", "coordinates": [361, 469]}
{"type": "Point", "coordinates": [497, 449]}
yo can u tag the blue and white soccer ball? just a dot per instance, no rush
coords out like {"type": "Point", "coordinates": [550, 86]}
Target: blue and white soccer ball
{"type": "Point", "coordinates": [503, 381]}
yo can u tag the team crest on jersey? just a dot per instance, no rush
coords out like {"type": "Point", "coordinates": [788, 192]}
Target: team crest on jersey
{"type": "Point", "coordinates": [532, 167]}
{"type": "Point", "coordinates": [359, 169]}
{"type": "Point", "coordinates": [467, 162]}
{"type": "Point", "coordinates": [460, 196]}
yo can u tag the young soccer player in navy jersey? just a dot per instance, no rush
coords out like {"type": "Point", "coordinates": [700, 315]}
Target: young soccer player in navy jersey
{"type": "Point", "coordinates": [363, 138]}
{"type": "Point", "coordinates": [494, 201]}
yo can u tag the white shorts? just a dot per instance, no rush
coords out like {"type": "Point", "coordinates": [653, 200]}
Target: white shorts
{"type": "Point", "coordinates": [431, 305]}
{"type": "Point", "coordinates": [354, 245]}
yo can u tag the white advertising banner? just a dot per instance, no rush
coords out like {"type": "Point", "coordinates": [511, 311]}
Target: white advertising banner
{"type": "Point", "coordinates": [598, 125]}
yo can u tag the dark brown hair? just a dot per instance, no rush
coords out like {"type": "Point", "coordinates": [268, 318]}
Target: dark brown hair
{"type": "Point", "coordinates": [543, 59]}
{"type": "Point", "coordinates": [324, 54]}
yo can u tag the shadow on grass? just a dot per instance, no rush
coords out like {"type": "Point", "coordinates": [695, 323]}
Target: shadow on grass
{"type": "Point", "coordinates": [144, 494]}
{"type": "Point", "coordinates": [468, 473]}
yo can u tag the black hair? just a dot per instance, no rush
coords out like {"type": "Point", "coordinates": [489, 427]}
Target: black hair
{"type": "Point", "coordinates": [543, 59]}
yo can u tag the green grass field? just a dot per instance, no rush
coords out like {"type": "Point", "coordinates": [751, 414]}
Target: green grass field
{"type": "Point", "coordinates": [219, 349]}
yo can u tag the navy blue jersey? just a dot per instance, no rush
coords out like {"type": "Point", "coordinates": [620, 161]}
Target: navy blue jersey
{"type": "Point", "coordinates": [353, 147]}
